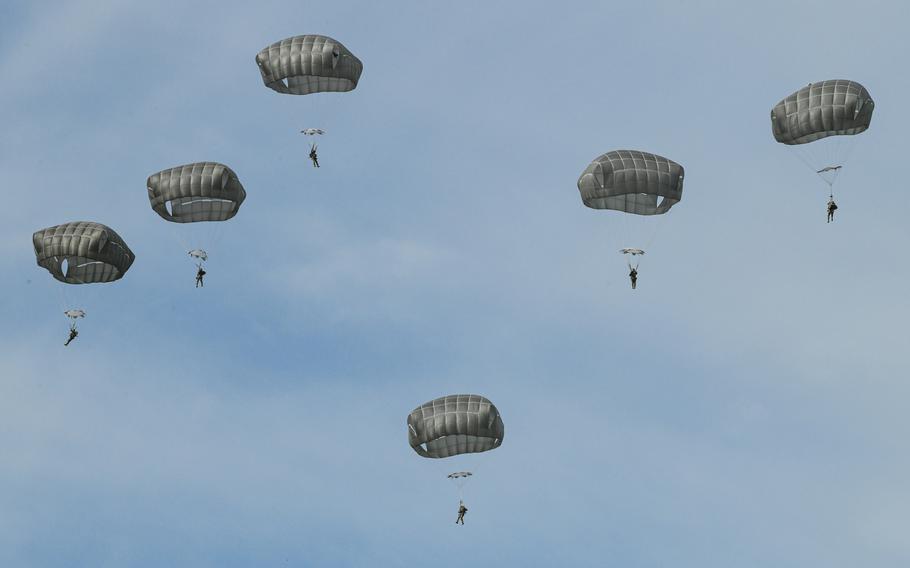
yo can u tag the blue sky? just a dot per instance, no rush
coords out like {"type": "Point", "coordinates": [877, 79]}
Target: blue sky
{"type": "Point", "coordinates": [745, 406]}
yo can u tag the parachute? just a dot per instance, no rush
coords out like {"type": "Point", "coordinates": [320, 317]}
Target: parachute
{"type": "Point", "coordinates": [455, 425]}
{"type": "Point", "coordinates": [310, 65]}
{"type": "Point", "coordinates": [196, 193]}
{"type": "Point", "coordinates": [202, 191]}
{"type": "Point", "coordinates": [820, 121]}
{"type": "Point", "coordinates": [306, 64]}
{"type": "Point", "coordinates": [639, 186]}
{"type": "Point", "coordinates": [819, 110]}
{"type": "Point", "coordinates": [81, 252]}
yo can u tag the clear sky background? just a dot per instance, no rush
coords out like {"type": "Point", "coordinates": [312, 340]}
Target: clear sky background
{"type": "Point", "coordinates": [746, 406]}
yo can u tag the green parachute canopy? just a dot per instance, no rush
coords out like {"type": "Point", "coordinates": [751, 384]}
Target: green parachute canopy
{"type": "Point", "coordinates": [82, 252]}
{"type": "Point", "coordinates": [306, 64]}
{"type": "Point", "coordinates": [453, 425]}
{"type": "Point", "coordinates": [819, 124]}
{"type": "Point", "coordinates": [828, 108]}
{"type": "Point", "coordinates": [631, 181]}
{"type": "Point", "coordinates": [202, 191]}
